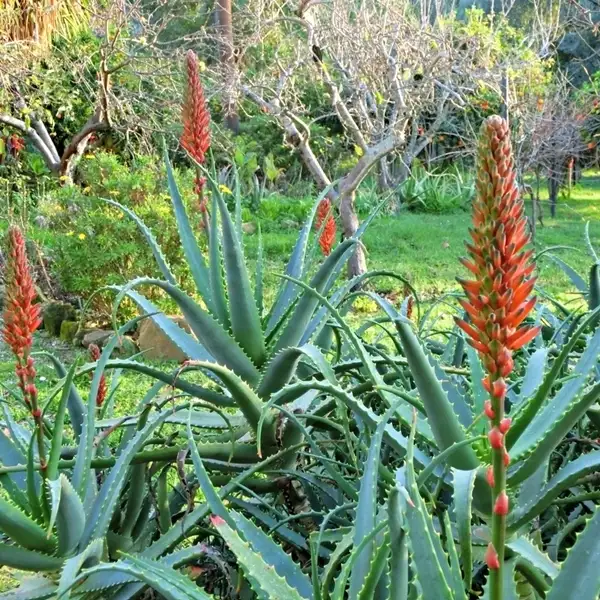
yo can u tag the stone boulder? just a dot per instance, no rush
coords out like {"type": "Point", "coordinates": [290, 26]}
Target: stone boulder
{"type": "Point", "coordinates": [125, 347]}
{"type": "Point", "coordinates": [155, 344]}
{"type": "Point", "coordinates": [53, 315]}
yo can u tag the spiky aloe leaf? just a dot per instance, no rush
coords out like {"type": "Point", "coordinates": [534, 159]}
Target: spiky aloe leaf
{"type": "Point", "coordinates": [295, 268]}
{"type": "Point", "coordinates": [90, 556]}
{"type": "Point", "coordinates": [103, 507]}
{"type": "Point", "coordinates": [302, 313]}
{"type": "Point", "coordinates": [216, 268]}
{"type": "Point", "coordinates": [478, 391]}
{"type": "Point", "coordinates": [557, 405]}
{"type": "Point", "coordinates": [75, 404]}
{"type": "Point", "coordinates": [263, 578]}
{"type": "Point", "coordinates": [135, 497]}
{"type": "Point", "coordinates": [170, 584]}
{"type": "Point", "coordinates": [259, 276]}
{"type": "Point", "coordinates": [528, 410]}
{"type": "Point", "coordinates": [35, 587]}
{"type": "Point", "coordinates": [426, 550]}
{"type": "Point", "coordinates": [553, 435]}
{"type": "Point", "coordinates": [192, 252]}
{"type": "Point", "coordinates": [441, 416]}
{"type": "Point", "coordinates": [463, 484]}
{"type": "Point", "coordinates": [243, 312]}
{"type": "Point", "coordinates": [247, 400]}
{"type": "Point", "coordinates": [376, 570]}
{"type": "Point", "coordinates": [534, 375]}
{"type": "Point", "coordinates": [282, 367]}
{"type": "Point", "coordinates": [545, 495]}
{"type": "Point", "coordinates": [161, 261]}
{"type": "Point", "coordinates": [367, 507]}
{"type": "Point", "coordinates": [272, 555]}
{"type": "Point", "coordinates": [70, 517]}
{"type": "Point", "coordinates": [59, 423]}
{"type": "Point", "coordinates": [579, 576]}
{"type": "Point", "coordinates": [576, 279]}
{"type": "Point", "coordinates": [524, 548]}
{"type": "Point", "coordinates": [173, 379]}
{"type": "Point", "coordinates": [85, 450]}
{"type": "Point", "coordinates": [398, 545]}
{"type": "Point", "coordinates": [23, 530]}
{"type": "Point", "coordinates": [15, 482]}
{"type": "Point", "coordinates": [22, 559]}
{"type": "Point", "coordinates": [221, 347]}
{"type": "Point", "coordinates": [594, 288]}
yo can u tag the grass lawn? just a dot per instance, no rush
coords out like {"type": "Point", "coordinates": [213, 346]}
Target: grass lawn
{"type": "Point", "coordinates": [422, 248]}
{"type": "Point", "coordinates": [425, 248]}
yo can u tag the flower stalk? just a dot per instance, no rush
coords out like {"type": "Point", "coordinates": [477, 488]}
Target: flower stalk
{"type": "Point", "coordinates": [195, 137]}
{"type": "Point", "coordinates": [101, 395]}
{"type": "Point", "coordinates": [21, 320]}
{"type": "Point", "coordinates": [497, 302]}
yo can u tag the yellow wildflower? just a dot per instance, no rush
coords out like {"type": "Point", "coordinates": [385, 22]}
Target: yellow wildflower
{"type": "Point", "coordinates": [224, 189]}
{"type": "Point", "coordinates": [81, 236]}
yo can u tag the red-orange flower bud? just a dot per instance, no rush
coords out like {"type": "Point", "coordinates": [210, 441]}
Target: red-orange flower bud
{"type": "Point", "coordinates": [491, 557]}
{"type": "Point", "coordinates": [505, 425]}
{"type": "Point", "coordinates": [489, 475]}
{"type": "Point", "coordinates": [488, 410]}
{"type": "Point", "coordinates": [496, 438]}
{"type": "Point", "coordinates": [501, 505]}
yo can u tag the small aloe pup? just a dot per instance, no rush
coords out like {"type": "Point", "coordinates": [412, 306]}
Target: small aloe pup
{"type": "Point", "coordinates": [497, 303]}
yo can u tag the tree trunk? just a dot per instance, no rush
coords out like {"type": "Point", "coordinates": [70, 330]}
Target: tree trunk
{"type": "Point", "coordinates": [357, 265]}
{"type": "Point", "coordinates": [225, 21]}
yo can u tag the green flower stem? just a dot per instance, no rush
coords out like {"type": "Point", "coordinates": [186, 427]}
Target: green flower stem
{"type": "Point", "coordinates": [498, 521]}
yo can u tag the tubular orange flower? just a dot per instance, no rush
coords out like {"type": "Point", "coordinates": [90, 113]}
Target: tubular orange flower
{"type": "Point", "coordinates": [325, 215]}
{"type": "Point", "coordinates": [195, 137]}
{"type": "Point", "coordinates": [21, 319]}
{"type": "Point", "coordinates": [95, 355]}
{"type": "Point", "coordinates": [497, 302]}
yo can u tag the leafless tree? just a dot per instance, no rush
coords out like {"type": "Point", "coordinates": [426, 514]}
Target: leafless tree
{"type": "Point", "coordinates": [392, 72]}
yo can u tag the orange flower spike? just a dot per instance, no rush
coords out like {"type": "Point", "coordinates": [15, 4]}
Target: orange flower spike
{"type": "Point", "coordinates": [195, 137]}
{"type": "Point", "coordinates": [497, 303]}
{"type": "Point", "coordinates": [326, 221]}
{"type": "Point", "coordinates": [21, 319]}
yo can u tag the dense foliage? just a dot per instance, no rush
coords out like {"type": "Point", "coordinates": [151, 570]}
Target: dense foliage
{"type": "Point", "coordinates": [312, 459]}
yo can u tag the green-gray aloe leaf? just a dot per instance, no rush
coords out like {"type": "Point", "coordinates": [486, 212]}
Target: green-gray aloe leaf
{"type": "Point", "coordinates": [34, 587]}
{"type": "Point", "coordinates": [579, 576]}
{"type": "Point", "coordinates": [223, 349]}
{"type": "Point", "coordinates": [23, 530]}
{"type": "Point", "coordinates": [243, 312]}
{"type": "Point", "coordinates": [367, 508]}
{"type": "Point", "coordinates": [263, 578]}
{"type": "Point", "coordinates": [192, 252]}
{"type": "Point", "coordinates": [442, 418]}
{"type": "Point", "coordinates": [22, 559]}
{"type": "Point", "coordinates": [463, 484]}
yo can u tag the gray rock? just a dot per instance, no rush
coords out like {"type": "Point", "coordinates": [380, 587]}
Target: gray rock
{"type": "Point", "coordinates": [96, 336]}
{"type": "Point", "coordinates": [155, 344]}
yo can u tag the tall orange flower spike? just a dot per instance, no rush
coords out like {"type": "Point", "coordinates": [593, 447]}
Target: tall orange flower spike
{"type": "Point", "coordinates": [325, 215]}
{"type": "Point", "coordinates": [21, 319]}
{"type": "Point", "coordinates": [497, 302]}
{"type": "Point", "coordinates": [195, 137]}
